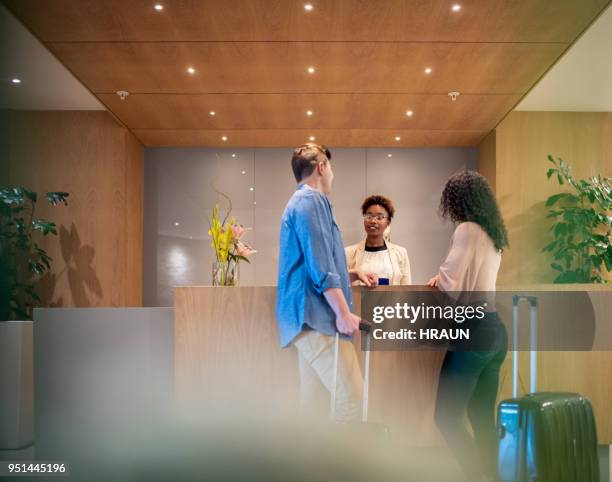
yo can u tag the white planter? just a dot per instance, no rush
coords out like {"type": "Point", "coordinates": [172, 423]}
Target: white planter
{"type": "Point", "coordinates": [16, 384]}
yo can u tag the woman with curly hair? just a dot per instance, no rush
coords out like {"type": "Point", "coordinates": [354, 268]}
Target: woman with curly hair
{"type": "Point", "coordinates": [375, 254]}
{"type": "Point", "coordinates": [469, 380]}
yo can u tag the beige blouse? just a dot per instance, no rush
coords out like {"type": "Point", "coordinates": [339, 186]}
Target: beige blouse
{"type": "Point", "coordinates": [397, 255]}
{"type": "Point", "coordinates": [472, 262]}
{"type": "Point", "coordinates": [377, 262]}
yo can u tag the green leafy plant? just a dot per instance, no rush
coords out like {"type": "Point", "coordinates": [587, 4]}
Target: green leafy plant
{"type": "Point", "coordinates": [22, 260]}
{"type": "Point", "coordinates": [582, 226]}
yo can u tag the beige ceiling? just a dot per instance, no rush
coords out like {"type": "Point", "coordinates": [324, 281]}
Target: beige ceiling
{"type": "Point", "coordinates": [251, 59]}
{"type": "Point", "coordinates": [582, 80]}
{"type": "Point", "coordinates": [23, 57]}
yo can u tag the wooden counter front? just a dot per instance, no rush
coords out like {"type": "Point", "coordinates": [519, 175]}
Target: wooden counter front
{"type": "Point", "coordinates": [227, 355]}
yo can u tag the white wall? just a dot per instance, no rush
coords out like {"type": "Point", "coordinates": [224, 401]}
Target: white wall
{"type": "Point", "coordinates": [179, 188]}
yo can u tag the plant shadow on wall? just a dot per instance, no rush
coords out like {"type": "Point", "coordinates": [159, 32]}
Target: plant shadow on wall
{"type": "Point", "coordinates": [582, 226]}
{"type": "Point", "coordinates": [78, 258]}
{"type": "Point", "coordinates": [23, 262]}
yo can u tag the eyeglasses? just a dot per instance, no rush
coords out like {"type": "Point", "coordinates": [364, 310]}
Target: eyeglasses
{"type": "Point", "coordinates": [378, 217]}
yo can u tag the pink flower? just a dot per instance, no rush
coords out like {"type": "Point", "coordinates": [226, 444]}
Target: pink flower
{"type": "Point", "coordinates": [238, 230]}
{"type": "Point", "coordinates": [244, 250]}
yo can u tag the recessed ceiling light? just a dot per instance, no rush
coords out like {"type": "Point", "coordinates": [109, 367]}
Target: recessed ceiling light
{"type": "Point", "coordinates": [233, 154]}
{"type": "Point", "coordinates": [212, 113]}
{"type": "Point", "coordinates": [308, 7]}
{"type": "Point", "coordinates": [398, 138]}
{"type": "Point", "coordinates": [311, 138]}
{"type": "Point", "coordinates": [428, 70]}
{"type": "Point", "coordinates": [159, 7]}
{"type": "Point", "coordinates": [255, 202]}
{"type": "Point", "coordinates": [389, 155]}
{"type": "Point", "coordinates": [311, 70]}
{"type": "Point", "coordinates": [409, 113]}
{"type": "Point", "coordinates": [190, 70]}
{"type": "Point", "coordinates": [456, 7]}
{"type": "Point", "coordinates": [177, 223]}
{"type": "Point", "coordinates": [243, 172]}
{"type": "Point", "coordinates": [224, 138]}
{"type": "Point", "coordinates": [309, 112]}
{"type": "Point", "coordinates": [251, 189]}
{"type": "Point", "coordinates": [16, 81]}
{"type": "Point", "coordinates": [190, 237]}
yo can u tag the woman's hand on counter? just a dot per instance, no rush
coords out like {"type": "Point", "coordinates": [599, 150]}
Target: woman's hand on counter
{"type": "Point", "coordinates": [433, 282]}
{"type": "Point", "coordinates": [368, 279]}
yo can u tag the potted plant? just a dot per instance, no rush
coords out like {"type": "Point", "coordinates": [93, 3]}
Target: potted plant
{"type": "Point", "coordinates": [22, 263]}
{"type": "Point", "coordinates": [582, 226]}
{"type": "Point", "coordinates": [226, 238]}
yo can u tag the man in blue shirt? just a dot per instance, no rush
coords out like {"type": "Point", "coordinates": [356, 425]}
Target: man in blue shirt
{"type": "Point", "coordinates": [314, 298]}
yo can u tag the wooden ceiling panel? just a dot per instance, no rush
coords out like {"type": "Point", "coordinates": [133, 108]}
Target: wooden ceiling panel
{"type": "Point", "coordinates": [251, 57]}
{"type": "Point", "coordinates": [264, 67]}
{"type": "Point", "coordinates": [286, 20]}
{"type": "Point", "coordinates": [294, 137]}
{"type": "Point", "coordinates": [330, 111]}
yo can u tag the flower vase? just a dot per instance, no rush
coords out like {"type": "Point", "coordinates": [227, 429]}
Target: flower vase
{"type": "Point", "coordinates": [225, 273]}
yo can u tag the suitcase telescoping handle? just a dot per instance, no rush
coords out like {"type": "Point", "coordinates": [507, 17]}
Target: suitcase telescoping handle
{"type": "Point", "coordinates": [364, 327]}
{"type": "Point", "coordinates": [533, 341]}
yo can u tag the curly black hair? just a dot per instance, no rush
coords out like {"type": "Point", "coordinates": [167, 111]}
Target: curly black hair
{"type": "Point", "coordinates": [378, 200]}
{"type": "Point", "coordinates": [467, 196]}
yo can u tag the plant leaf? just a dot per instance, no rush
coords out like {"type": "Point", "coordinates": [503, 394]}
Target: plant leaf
{"type": "Point", "coordinates": [566, 196]}
{"type": "Point", "coordinates": [58, 197]}
{"type": "Point", "coordinates": [559, 178]}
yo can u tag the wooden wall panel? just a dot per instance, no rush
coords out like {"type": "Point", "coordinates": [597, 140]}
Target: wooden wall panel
{"type": "Point", "coordinates": [524, 139]}
{"type": "Point", "coordinates": [518, 164]}
{"type": "Point", "coordinates": [486, 159]}
{"type": "Point", "coordinates": [98, 251]}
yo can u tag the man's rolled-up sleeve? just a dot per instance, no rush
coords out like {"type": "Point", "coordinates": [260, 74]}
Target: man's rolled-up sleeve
{"type": "Point", "coordinates": [314, 229]}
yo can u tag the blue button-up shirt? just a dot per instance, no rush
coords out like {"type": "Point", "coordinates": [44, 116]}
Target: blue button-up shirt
{"type": "Point", "coordinates": [311, 261]}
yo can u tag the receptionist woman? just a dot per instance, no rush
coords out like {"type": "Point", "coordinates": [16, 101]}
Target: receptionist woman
{"type": "Point", "coordinates": [375, 254]}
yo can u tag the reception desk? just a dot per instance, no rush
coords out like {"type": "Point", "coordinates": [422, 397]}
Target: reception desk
{"type": "Point", "coordinates": [227, 352]}
{"type": "Point", "coordinates": [227, 356]}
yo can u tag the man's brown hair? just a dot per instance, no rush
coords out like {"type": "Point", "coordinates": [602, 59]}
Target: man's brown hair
{"type": "Point", "coordinates": [306, 157]}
